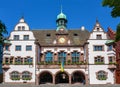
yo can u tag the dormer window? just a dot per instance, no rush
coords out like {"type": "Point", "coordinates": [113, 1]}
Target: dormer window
{"type": "Point", "coordinates": [19, 28]}
{"type": "Point", "coordinates": [23, 27]}
{"type": "Point", "coordinates": [98, 29]}
{"type": "Point", "coordinates": [48, 35]}
{"type": "Point", "coordinates": [75, 34]}
{"type": "Point", "coordinates": [99, 37]}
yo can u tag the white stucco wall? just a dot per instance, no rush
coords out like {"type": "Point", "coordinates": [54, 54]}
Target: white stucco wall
{"type": "Point", "coordinates": [23, 53]}
{"type": "Point", "coordinates": [105, 54]}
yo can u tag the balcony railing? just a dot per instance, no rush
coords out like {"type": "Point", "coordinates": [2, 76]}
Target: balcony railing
{"type": "Point", "coordinates": [57, 64]}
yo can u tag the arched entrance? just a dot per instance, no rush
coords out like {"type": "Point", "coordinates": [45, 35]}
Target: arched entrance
{"type": "Point", "coordinates": [45, 77]}
{"type": "Point", "coordinates": [61, 77]}
{"type": "Point", "coordinates": [78, 77]}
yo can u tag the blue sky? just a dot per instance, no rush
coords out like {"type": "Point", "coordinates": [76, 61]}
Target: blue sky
{"type": "Point", "coordinates": [41, 14]}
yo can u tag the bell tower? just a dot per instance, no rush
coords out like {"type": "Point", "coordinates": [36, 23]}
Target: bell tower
{"type": "Point", "coordinates": [61, 23]}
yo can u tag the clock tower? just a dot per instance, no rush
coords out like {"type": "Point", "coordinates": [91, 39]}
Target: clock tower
{"type": "Point", "coordinates": [61, 31]}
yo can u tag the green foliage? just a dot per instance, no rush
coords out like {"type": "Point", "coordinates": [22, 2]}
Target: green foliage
{"type": "Point", "coordinates": [2, 31]}
{"type": "Point", "coordinates": [102, 78]}
{"type": "Point", "coordinates": [99, 63]}
{"type": "Point", "coordinates": [117, 38]}
{"type": "Point", "coordinates": [115, 5]}
{"type": "Point", "coordinates": [15, 78]}
{"type": "Point", "coordinates": [26, 78]}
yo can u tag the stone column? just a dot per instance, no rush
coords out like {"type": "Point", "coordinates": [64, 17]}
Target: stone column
{"type": "Point", "coordinates": [37, 79]}
{"type": "Point", "coordinates": [70, 79]}
{"type": "Point", "coordinates": [53, 79]}
{"type": "Point", "coordinates": [86, 79]}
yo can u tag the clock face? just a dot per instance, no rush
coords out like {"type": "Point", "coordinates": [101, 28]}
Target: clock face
{"type": "Point", "coordinates": [61, 40]}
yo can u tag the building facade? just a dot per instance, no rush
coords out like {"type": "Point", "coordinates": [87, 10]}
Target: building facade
{"type": "Point", "coordinates": [58, 56]}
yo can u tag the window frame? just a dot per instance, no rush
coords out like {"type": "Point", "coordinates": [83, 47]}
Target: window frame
{"type": "Point", "coordinates": [25, 37]}
{"type": "Point", "coordinates": [26, 75]}
{"type": "Point", "coordinates": [18, 48]}
{"type": "Point", "coordinates": [15, 75]}
{"type": "Point", "coordinates": [75, 56]}
{"type": "Point", "coordinates": [99, 60]}
{"type": "Point", "coordinates": [16, 37]}
{"type": "Point", "coordinates": [62, 56]}
{"type": "Point", "coordinates": [98, 47]}
{"type": "Point", "coordinates": [101, 75]}
{"type": "Point", "coordinates": [98, 36]}
{"type": "Point", "coordinates": [48, 56]}
{"type": "Point", "coordinates": [28, 47]}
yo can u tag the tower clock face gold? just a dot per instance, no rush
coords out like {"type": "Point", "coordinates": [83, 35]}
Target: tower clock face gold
{"type": "Point", "coordinates": [62, 40]}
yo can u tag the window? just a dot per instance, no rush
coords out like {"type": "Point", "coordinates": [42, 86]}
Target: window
{"type": "Point", "coordinates": [26, 37]}
{"type": "Point", "coordinates": [15, 75]}
{"type": "Point", "coordinates": [111, 59]}
{"type": "Point", "coordinates": [98, 28]}
{"type": "Point", "coordinates": [28, 48]}
{"type": "Point", "coordinates": [48, 56]}
{"type": "Point", "coordinates": [7, 47]}
{"type": "Point", "coordinates": [75, 56]}
{"type": "Point", "coordinates": [11, 60]}
{"type": "Point", "coordinates": [101, 75]}
{"type": "Point", "coordinates": [23, 27]}
{"type": "Point", "coordinates": [98, 48]}
{"type": "Point", "coordinates": [48, 35]}
{"type": "Point", "coordinates": [19, 28]}
{"type": "Point", "coordinates": [75, 34]}
{"type": "Point", "coordinates": [18, 48]}
{"type": "Point", "coordinates": [110, 47]}
{"type": "Point", "coordinates": [6, 60]}
{"type": "Point", "coordinates": [28, 61]}
{"type": "Point", "coordinates": [18, 61]}
{"type": "Point", "coordinates": [16, 37]}
{"type": "Point", "coordinates": [26, 75]}
{"type": "Point", "coordinates": [98, 37]}
{"type": "Point", "coordinates": [99, 60]}
{"type": "Point", "coordinates": [61, 56]}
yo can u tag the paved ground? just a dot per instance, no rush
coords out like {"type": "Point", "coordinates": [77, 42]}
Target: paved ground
{"type": "Point", "coordinates": [58, 85]}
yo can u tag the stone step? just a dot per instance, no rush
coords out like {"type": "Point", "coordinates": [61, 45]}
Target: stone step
{"type": "Point", "coordinates": [57, 85]}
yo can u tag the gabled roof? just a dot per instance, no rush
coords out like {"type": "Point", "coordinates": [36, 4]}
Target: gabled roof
{"type": "Point", "coordinates": [47, 37]}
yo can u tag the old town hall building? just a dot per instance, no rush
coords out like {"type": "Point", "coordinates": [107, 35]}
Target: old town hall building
{"type": "Point", "coordinates": [58, 56]}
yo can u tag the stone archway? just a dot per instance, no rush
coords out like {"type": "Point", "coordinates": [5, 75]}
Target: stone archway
{"type": "Point", "coordinates": [78, 77]}
{"type": "Point", "coordinates": [61, 77]}
{"type": "Point", "coordinates": [45, 77]}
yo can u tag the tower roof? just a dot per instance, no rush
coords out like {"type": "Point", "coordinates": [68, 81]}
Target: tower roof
{"type": "Point", "coordinates": [61, 16]}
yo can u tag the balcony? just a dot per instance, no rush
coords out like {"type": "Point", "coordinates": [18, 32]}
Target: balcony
{"type": "Point", "coordinates": [57, 65]}
{"type": "Point", "coordinates": [5, 66]}
{"type": "Point", "coordinates": [112, 66]}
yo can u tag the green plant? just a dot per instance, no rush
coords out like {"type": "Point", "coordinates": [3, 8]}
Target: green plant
{"type": "Point", "coordinates": [26, 78]}
{"type": "Point", "coordinates": [99, 63]}
{"type": "Point", "coordinates": [15, 78]}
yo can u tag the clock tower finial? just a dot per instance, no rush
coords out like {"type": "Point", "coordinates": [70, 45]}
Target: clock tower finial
{"type": "Point", "coordinates": [61, 8]}
{"type": "Point", "coordinates": [61, 21]}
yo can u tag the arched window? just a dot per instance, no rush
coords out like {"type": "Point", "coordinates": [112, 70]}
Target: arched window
{"type": "Point", "coordinates": [26, 75]}
{"type": "Point", "coordinates": [48, 56]}
{"type": "Point", "coordinates": [101, 75]}
{"type": "Point", "coordinates": [75, 56]}
{"type": "Point", "coordinates": [15, 75]}
{"type": "Point", "coordinates": [62, 56]}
